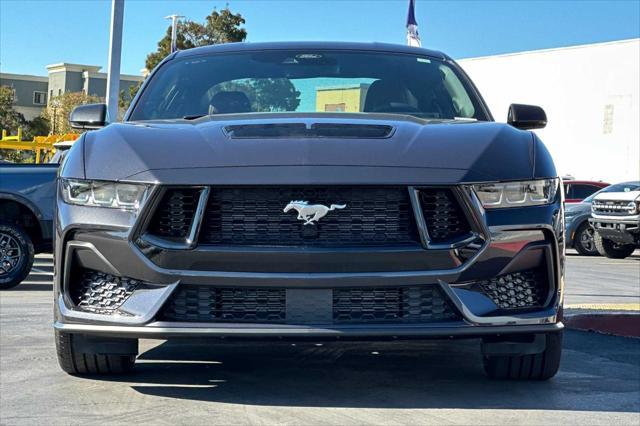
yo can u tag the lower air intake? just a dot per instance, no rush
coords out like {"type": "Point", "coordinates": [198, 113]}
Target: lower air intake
{"type": "Point", "coordinates": [520, 290]}
{"type": "Point", "coordinates": [101, 293]}
{"type": "Point", "coordinates": [193, 303]}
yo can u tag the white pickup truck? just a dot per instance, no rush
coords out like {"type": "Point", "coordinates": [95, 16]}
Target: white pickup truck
{"type": "Point", "coordinates": [615, 216]}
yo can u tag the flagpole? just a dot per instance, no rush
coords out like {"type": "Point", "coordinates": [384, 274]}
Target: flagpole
{"type": "Point", "coordinates": [413, 38]}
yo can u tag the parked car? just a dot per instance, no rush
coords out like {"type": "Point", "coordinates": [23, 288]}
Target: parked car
{"type": "Point", "coordinates": [575, 191]}
{"type": "Point", "coordinates": [579, 232]}
{"type": "Point", "coordinates": [27, 201]}
{"type": "Point", "coordinates": [615, 216]}
{"type": "Point", "coordinates": [318, 191]}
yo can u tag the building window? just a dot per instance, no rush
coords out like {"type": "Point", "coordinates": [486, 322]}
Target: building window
{"type": "Point", "coordinates": [39, 98]}
{"type": "Point", "coordinates": [607, 123]}
{"type": "Point", "coordinates": [334, 107]}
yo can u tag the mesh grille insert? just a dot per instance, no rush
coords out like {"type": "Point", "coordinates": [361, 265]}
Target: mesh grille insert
{"type": "Point", "coordinates": [193, 303]}
{"type": "Point", "coordinates": [519, 290]}
{"type": "Point", "coordinates": [101, 293]}
{"type": "Point", "coordinates": [423, 304]}
{"type": "Point", "coordinates": [443, 215]}
{"type": "Point", "coordinates": [174, 214]}
{"type": "Point", "coordinates": [255, 216]}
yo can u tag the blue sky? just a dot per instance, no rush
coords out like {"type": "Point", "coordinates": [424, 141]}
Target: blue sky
{"type": "Point", "coordinates": [36, 33]}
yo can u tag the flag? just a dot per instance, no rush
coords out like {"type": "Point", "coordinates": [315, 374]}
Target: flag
{"type": "Point", "coordinates": [413, 38]}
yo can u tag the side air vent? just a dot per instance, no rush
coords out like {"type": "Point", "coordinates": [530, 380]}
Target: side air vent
{"type": "Point", "coordinates": [317, 130]}
{"type": "Point", "coordinates": [175, 212]}
{"type": "Point", "coordinates": [445, 220]}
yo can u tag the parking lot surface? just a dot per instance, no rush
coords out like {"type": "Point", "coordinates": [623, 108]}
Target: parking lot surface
{"type": "Point", "coordinates": [432, 382]}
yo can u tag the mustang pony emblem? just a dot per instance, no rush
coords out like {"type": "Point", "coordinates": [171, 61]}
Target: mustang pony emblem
{"type": "Point", "coordinates": [311, 213]}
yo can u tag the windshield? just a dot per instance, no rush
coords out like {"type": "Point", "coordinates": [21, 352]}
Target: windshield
{"type": "Point", "coordinates": [622, 187]}
{"type": "Point", "coordinates": [304, 81]}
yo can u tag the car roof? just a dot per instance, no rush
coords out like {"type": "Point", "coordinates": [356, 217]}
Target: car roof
{"type": "Point", "coordinates": [590, 182]}
{"type": "Point", "coordinates": [309, 45]}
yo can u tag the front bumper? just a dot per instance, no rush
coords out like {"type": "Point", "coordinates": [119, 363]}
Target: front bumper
{"type": "Point", "coordinates": [512, 240]}
{"type": "Point", "coordinates": [619, 230]}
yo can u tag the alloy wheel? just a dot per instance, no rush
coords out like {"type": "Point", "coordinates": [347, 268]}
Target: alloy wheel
{"type": "Point", "coordinates": [10, 253]}
{"type": "Point", "coordinates": [587, 241]}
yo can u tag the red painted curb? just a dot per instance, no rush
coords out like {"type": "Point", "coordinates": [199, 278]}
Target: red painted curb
{"type": "Point", "coordinates": [627, 325]}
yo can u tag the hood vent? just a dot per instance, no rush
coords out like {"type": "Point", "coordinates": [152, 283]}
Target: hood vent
{"type": "Point", "coordinates": [317, 130]}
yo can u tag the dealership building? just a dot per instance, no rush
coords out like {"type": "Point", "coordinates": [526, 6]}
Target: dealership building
{"type": "Point", "coordinates": [590, 94]}
{"type": "Point", "coordinates": [32, 93]}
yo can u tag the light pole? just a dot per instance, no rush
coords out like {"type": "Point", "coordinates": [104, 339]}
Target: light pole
{"type": "Point", "coordinates": [174, 31]}
{"type": "Point", "coordinates": [115, 50]}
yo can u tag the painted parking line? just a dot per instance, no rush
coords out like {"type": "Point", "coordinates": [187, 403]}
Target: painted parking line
{"type": "Point", "coordinates": [605, 306]}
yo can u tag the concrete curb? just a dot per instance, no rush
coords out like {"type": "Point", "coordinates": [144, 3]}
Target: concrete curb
{"type": "Point", "coordinates": [618, 320]}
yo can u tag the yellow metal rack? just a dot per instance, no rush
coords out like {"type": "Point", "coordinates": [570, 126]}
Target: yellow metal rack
{"type": "Point", "coordinates": [43, 146]}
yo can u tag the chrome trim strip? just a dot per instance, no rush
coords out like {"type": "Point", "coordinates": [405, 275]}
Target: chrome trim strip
{"type": "Point", "coordinates": [133, 308]}
{"type": "Point", "coordinates": [126, 314]}
{"type": "Point", "coordinates": [192, 239]}
{"type": "Point", "coordinates": [471, 208]}
{"type": "Point", "coordinates": [547, 316]}
{"type": "Point", "coordinates": [419, 216]}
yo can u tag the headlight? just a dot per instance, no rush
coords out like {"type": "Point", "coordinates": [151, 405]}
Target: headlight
{"type": "Point", "coordinates": [127, 196]}
{"type": "Point", "coordinates": [517, 194]}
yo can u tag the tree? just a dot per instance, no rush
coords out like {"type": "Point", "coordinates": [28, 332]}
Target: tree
{"type": "Point", "coordinates": [218, 27]}
{"type": "Point", "coordinates": [265, 94]}
{"type": "Point", "coordinates": [125, 98]}
{"type": "Point", "coordinates": [39, 126]}
{"type": "Point", "coordinates": [10, 119]}
{"type": "Point", "coordinates": [59, 108]}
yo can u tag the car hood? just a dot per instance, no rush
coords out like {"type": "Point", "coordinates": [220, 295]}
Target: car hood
{"type": "Point", "coordinates": [200, 151]}
{"type": "Point", "coordinates": [618, 196]}
{"type": "Point", "coordinates": [577, 208]}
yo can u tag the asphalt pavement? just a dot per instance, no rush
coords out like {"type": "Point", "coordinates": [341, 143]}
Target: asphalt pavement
{"type": "Point", "coordinates": [433, 382]}
{"type": "Point", "coordinates": [599, 280]}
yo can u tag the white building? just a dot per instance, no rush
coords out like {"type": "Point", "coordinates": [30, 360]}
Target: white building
{"type": "Point", "coordinates": [590, 94]}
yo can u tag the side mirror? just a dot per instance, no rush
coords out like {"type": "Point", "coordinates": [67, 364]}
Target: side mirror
{"type": "Point", "coordinates": [526, 117]}
{"type": "Point", "coordinates": [89, 116]}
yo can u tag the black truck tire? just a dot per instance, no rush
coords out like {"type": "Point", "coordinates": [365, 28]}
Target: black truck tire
{"type": "Point", "coordinates": [541, 366]}
{"type": "Point", "coordinates": [14, 239]}
{"type": "Point", "coordinates": [76, 362]}
{"type": "Point", "coordinates": [612, 250]}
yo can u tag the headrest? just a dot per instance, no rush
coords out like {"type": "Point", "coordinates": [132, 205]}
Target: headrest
{"type": "Point", "coordinates": [229, 103]}
{"type": "Point", "coordinates": [384, 92]}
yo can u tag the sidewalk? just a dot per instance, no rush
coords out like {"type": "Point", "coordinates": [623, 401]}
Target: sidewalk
{"type": "Point", "coordinates": [622, 319]}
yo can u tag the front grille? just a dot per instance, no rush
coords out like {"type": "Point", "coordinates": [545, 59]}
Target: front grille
{"type": "Point", "coordinates": [175, 212]}
{"type": "Point", "coordinates": [193, 303]}
{"type": "Point", "coordinates": [520, 290]}
{"type": "Point", "coordinates": [614, 208]}
{"type": "Point", "coordinates": [101, 293]}
{"type": "Point", "coordinates": [255, 217]}
{"type": "Point", "coordinates": [443, 215]}
{"type": "Point", "coordinates": [423, 304]}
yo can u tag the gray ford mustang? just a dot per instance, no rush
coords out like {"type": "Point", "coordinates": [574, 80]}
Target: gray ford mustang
{"type": "Point", "coordinates": [311, 191]}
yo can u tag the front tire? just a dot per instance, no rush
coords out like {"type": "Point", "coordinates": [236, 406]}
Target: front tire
{"type": "Point", "coordinates": [584, 242]}
{"type": "Point", "coordinates": [16, 255]}
{"type": "Point", "coordinates": [542, 366]}
{"type": "Point", "coordinates": [74, 361]}
{"type": "Point", "coordinates": [612, 250]}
